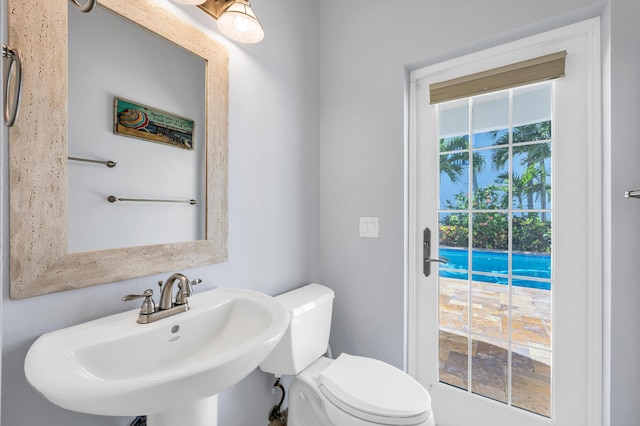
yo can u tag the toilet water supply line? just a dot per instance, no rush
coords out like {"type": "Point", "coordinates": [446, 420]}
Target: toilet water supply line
{"type": "Point", "coordinates": [276, 414]}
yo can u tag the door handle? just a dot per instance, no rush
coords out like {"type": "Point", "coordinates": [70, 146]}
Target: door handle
{"type": "Point", "coordinates": [427, 260]}
{"type": "Point", "coordinates": [443, 260]}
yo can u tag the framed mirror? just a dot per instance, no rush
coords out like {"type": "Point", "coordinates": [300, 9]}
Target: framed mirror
{"type": "Point", "coordinates": [40, 262]}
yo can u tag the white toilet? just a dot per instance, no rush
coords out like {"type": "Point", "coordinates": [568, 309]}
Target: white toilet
{"type": "Point", "coordinates": [347, 391]}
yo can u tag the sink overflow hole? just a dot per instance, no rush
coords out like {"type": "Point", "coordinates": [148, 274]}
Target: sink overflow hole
{"type": "Point", "coordinates": [175, 329]}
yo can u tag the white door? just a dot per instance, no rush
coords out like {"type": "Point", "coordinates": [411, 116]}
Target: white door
{"type": "Point", "coordinates": [507, 332]}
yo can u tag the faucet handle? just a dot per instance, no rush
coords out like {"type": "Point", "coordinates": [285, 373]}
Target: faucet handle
{"type": "Point", "coordinates": [148, 305]}
{"type": "Point", "coordinates": [183, 293]}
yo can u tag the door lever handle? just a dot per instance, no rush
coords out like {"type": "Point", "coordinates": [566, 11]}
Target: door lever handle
{"type": "Point", "coordinates": [444, 260]}
{"type": "Point", "coordinates": [426, 253]}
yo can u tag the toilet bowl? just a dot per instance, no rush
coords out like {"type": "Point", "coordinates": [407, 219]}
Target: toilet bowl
{"type": "Point", "coordinates": [348, 391]}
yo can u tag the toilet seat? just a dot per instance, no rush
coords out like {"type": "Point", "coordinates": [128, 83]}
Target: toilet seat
{"type": "Point", "coordinates": [374, 391]}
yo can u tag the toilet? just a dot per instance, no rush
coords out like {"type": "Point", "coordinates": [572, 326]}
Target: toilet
{"type": "Point", "coordinates": [346, 391]}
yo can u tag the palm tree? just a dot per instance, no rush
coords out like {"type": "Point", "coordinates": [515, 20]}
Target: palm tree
{"type": "Point", "coordinates": [524, 188]}
{"type": "Point", "coordinates": [534, 159]}
{"type": "Point", "coordinates": [452, 164]}
{"type": "Point", "coordinates": [534, 178]}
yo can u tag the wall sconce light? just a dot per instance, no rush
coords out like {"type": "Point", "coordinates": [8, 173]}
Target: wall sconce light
{"type": "Point", "coordinates": [236, 19]}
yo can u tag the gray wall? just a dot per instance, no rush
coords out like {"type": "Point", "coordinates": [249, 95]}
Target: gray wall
{"type": "Point", "coordinates": [273, 214]}
{"type": "Point", "coordinates": [295, 165]}
{"type": "Point", "coordinates": [623, 228]}
{"type": "Point", "coordinates": [365, 49]}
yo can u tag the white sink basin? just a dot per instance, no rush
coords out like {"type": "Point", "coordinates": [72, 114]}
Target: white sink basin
{"type": "Point", "coordinates": [114, 366]}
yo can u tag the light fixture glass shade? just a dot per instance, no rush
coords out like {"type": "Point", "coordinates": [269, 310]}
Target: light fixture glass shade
{"type": "Point", "coordinates": [239, 23]}
{"type": "Point", "coordinates": [191, 2]}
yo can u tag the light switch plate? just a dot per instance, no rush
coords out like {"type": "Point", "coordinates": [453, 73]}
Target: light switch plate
{"type": "Point", "coordinates": [369, 227]}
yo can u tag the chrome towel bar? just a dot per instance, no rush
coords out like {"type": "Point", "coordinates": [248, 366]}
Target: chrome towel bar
{"type": "Point", "coordinates": [113, 199]}
{"type": "Point", "coordinates": [107, 163]}
{"type": "Point", "coordinates": [632, 194]}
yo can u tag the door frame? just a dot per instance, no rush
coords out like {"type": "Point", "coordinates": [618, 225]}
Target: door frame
{"type": "Point", "coordinates": [487, 59]}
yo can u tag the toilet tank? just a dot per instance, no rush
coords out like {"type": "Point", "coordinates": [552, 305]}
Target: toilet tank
{"type": "Point", "coordinates": [307, 337]}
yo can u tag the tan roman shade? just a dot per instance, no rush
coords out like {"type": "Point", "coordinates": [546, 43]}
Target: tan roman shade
{"type": "Point", "coordinates": [530, 71]}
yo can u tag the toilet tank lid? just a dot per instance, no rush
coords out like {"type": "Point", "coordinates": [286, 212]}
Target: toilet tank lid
{"type": "Point", "coordinates": [305, 298]}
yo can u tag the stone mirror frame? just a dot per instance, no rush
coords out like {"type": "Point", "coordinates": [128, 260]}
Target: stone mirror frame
{"type": "Point", "coordinates": [39, 260]}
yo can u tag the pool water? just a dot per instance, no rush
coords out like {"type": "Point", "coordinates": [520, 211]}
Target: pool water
{"type": "Point", "coordinates": [524, 265]}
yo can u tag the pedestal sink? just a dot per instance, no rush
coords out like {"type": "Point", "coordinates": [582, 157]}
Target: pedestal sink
{"type": "Point", "coordinates": [170, 369]}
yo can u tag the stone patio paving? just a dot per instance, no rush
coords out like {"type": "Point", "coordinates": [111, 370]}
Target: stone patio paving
{"type": "Point", "coordinates": [530, 335]}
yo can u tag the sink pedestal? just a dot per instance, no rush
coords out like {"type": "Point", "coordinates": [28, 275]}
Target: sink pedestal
{"type": "Point", "coordinates": [200, 413]}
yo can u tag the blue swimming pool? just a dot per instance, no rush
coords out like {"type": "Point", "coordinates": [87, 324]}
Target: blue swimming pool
{"type": "Point", "coordinates": [524, 265]}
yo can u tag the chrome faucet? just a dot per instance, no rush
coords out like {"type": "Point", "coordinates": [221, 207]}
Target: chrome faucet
{"type": "Point", "coordinates": [165, 295]}
{"type": "Point", "coordinates": [167, 306]}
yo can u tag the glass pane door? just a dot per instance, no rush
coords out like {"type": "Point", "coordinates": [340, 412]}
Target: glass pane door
{"type": "Point", "coordinates": [495, 218]}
